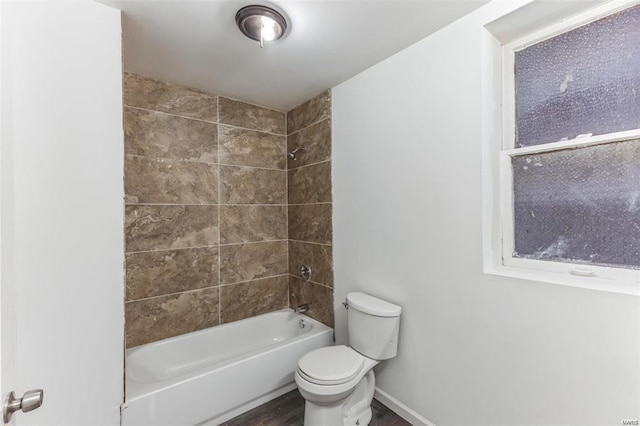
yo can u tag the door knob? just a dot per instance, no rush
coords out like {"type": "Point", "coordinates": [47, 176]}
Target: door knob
{"type": "Point", "coordinates": [30, 401]}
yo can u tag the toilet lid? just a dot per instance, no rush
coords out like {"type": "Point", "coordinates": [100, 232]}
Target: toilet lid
{"type": "Point", "coordinates": [331, 365]}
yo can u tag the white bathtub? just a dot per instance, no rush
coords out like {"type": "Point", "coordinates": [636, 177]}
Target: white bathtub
{"type": "Point", "coordinates": [212, 375]}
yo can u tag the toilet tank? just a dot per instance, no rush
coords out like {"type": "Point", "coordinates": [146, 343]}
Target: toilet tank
{"type": "Point", "coordinates": [373, 326]}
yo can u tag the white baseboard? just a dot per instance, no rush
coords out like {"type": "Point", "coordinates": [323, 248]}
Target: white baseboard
{"type": "Point", "coordinates": [400, 409]}
{"type": "Point", "coordinates": [396, 406]}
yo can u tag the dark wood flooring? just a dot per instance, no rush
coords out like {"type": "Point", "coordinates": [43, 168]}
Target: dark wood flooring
{"type": "Point", "coordinates": [288, 410]}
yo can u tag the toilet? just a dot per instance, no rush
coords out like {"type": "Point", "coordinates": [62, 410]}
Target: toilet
{"type": "Point", "coordinates": [337, 382]}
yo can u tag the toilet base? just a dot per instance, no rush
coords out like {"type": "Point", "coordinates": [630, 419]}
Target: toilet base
{"type": "Point", "coordinates": [362, 419]}
{"type": "Point", "coordinates": [322, 415]}
{"type": "Point", "coordinates": [355, 410]}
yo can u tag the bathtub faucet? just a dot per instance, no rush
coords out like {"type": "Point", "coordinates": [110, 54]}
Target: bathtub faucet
{"type": "Point", "coordinates": [302, 309]}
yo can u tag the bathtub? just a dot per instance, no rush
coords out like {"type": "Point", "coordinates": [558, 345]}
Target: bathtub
{"type": "Point", "coordinates": [213, 375]}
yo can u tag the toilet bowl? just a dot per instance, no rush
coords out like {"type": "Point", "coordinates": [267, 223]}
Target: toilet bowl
{"type": "Point", "coordinates": [338, 382]}
{"type": "Point", "coordinates": [328, 378]}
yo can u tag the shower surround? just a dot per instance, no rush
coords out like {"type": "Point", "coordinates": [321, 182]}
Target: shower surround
{"type": "Point", "coordinates": [207, 215]}
{"type": "Point", "coordinates": [310, 206]}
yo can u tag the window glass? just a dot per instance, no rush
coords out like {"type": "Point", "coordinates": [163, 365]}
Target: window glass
{"type": "Point", "coordinates": [583, 81]}
{"type": "Point", "coordinates": [579, 205]}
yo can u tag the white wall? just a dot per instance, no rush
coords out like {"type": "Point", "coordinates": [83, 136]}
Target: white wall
{"type": "Point", "coordinates": [475, 349]}
{"type": "Point", "coordinates": [62, 210]}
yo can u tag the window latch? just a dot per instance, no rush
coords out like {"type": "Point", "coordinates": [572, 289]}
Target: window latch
{"type": "Point", "coordinates": [582, 272]}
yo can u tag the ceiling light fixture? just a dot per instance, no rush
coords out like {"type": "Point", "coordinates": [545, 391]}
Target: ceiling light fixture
{"type": "Point", "coordinates": [261, 23]}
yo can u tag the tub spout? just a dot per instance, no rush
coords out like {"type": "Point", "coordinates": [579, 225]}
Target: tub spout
{"type": "Point", "coordinates": [302, 309]}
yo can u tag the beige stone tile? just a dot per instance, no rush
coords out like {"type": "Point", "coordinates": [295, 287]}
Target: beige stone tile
{"type": "Point", "coordinates": [319, 299]}
{"type": "Point", "coordinates": [154, 134]}
{"type": "Point", "coordinates": [170, 271]}
{"type": "Point", "coordinates": [156, 95]}
{"type": "Point", "coordinates": [169, 181]}
{"type": "Point", "coordinates": [316, 141]}
{"type": "Point", "coordinates": [244, 300]}
{"type": "Point", "coordinates": [237, 113]}
{"type": "Point", "coordinates": [170, 227]}
{"type": "Point", "coordinates": [247, 185]}
{"type": "Point", "coordinates": [158, 318]}
{"type": "Point", "coordinates": [246, 262]}
{"type": "Point", "coordinates": [242, 224]}
{"type": "Point", "coordinates": [242, 147]}
{"type": "Point", "coordinates": [311, 222]}
{"type": "Point", "coordinates": [318, 257]}
{"type": "Point", "coordinates": [314, 110]}
{"type": "Point", "coordinates": [310, 184]}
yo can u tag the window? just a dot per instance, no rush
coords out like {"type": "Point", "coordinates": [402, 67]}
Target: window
{"type": "Point", "coordinates": [570, 160]}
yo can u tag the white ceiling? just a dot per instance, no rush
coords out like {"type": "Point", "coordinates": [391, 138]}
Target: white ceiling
{"type": "Point", "coordinates": [197, 43]}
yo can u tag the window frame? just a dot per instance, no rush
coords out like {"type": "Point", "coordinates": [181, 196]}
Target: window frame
{"type": "Point", "coordinates": [558, 272]}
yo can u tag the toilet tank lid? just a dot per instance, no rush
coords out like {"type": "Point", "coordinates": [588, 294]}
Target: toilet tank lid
{"type": "Point", "coordinates": [372, 305]}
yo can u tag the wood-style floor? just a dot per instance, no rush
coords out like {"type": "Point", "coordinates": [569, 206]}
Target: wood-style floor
{"type": "Point", "coordinates": [288, 410]}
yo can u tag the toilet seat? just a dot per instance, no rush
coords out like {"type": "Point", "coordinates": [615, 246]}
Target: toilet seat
{"type": "Point", "coordinates": [332, 365]}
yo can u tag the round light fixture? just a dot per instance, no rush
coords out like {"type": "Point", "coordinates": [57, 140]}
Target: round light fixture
{"type": "Point", "coordinates": [261, 23]}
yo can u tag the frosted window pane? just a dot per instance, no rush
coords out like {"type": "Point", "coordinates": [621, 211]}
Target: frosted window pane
{"type": "Point", "coordinates": [579, 205]}
{"type": "Point", "coordinates": [583, 81]}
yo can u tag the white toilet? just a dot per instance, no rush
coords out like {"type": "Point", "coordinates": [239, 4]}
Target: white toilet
{"type": "Point", "coordinates": [337, 382]}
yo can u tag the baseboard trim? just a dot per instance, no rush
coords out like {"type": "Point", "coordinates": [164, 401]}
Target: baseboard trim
{"type": "Point", "coordinates": [400, 409]}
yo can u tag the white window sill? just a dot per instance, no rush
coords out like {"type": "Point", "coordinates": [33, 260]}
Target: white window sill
{"type": "Point", "coordinates": [590, 283]}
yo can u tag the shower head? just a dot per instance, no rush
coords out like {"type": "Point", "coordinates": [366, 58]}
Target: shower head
{"type": "Point", "coordinates": [292, 155]}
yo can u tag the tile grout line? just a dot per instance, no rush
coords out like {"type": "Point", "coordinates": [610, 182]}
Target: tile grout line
{"type": "Point", "coordinates": [286, 182]}
{"type": "Point", "coordinates": [234, 126]}
{"type": "Point", "coordinates": [162, 250]}
{"type": "Point", "coordinates": [312, 242]}
{"type": "Point", "coordinates": [286, 274]}
{"type": "Point", "coordinates": [254, 205]}
{"type": "Point", "coordinates": [253, 167]}
{"type": "Point", "coordinates": [242, 243]}
{"type": "Point", "coordinates": [184, 160]}
{"type": "Point", "coordinates": [172, 114]}
{"type": "Point", "coordinates": [163, 159]}
{"type": "Point", "coordinates": [207, 121]}
{"type": "Point", "coordinates": [255, 105]}
{"type": "Point", "coordinates": [192, 290]}
{"type": "Point", "coordinates": [171, 204]}
{"type": "Point", "coordinates": [311, 282]}
{"type": "Point", "coordinates": [124, 237]}
{"type": "Point", "coordinates": [252, 242]}
{"type": "Point", "coordinates": [308, 165]}
{"type": "Point", "coordinates": [219, 224]}
{"type": "Point", "coordinates": [210, 204]}
{"type": "Point", "coordinates": [311, 204]}
{"type": "Point", "coordinates": [312, 124]}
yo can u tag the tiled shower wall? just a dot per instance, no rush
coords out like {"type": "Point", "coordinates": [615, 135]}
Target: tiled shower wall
{"type": "Point", "coordinates": [310, 206]}
{"type": "Point", "coordinates": [206, 227]}
{"type": "Point", "coordinates": [206, 214]}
